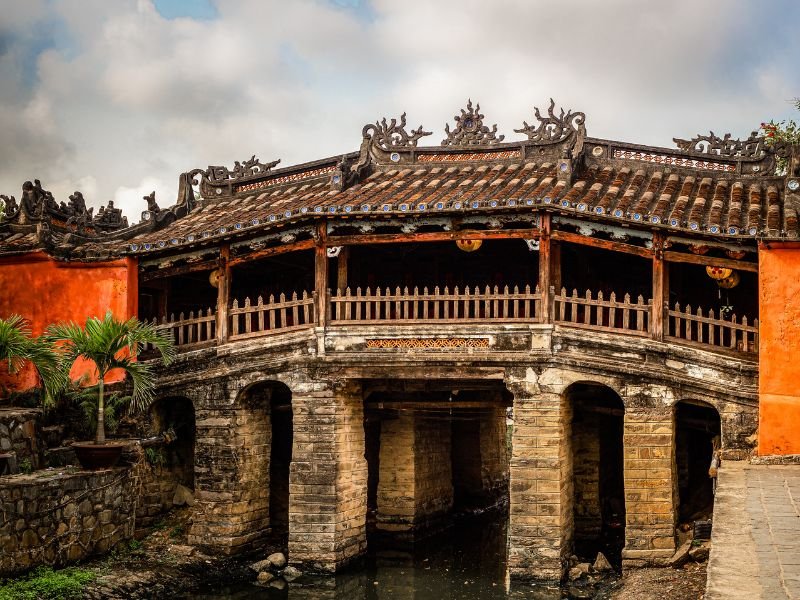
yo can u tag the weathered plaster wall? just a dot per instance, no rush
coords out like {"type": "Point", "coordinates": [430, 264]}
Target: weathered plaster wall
{"type": "Point", "coordinates": [779, 350]}
{"type": "Point", "coordinates": [45, 291]}
{"type": "Point", "coordinates": [58, 518]}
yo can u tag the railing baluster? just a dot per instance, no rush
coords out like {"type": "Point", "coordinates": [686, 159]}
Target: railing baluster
{"type": "Point", "coordinates": [640, 314]}
{"type": "Point", "coordinates": [688, 320]}
{"type": "Point", "coordinates": [612, 310]}
{"type": "Point", "coordinates": [700, 325]}
{"type": "Point", "coordinates": [446, 304]}
{"type": "Point", "coordinates": [626, 311]}
{"type": "Point", "coordinates": [271, 312]}
{"type": "Point", "coordinates": [733, 330]}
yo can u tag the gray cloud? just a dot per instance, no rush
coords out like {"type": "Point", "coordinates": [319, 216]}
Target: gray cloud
{"type": "Point", "coordinates": [116, 99]}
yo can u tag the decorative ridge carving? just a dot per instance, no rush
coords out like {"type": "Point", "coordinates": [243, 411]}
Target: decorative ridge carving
{"type": "Point", "coordinates": [470, 130]}
{"type": "Point", "coordinates": [753, 147]}
{"type": "Point", "coordinates": [551, 128]}
{"type": "Point", "coordinates": [391, 136]}
{"type": "Point", "coordinates": [252, 167]}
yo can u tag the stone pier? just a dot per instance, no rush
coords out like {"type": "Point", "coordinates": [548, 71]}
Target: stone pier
{"type": "Point", "coordinates": [415, 483]}
{"type": "Point", "coordinates": [328, 477]}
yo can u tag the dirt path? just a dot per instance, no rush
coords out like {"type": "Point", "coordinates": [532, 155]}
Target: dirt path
{"type": "Point", "coordinates": [688, 583]}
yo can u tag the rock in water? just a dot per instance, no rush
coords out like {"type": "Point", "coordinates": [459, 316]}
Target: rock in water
{"type": "Point", "coordinates": [265, 577]}
{"type": "Point", "coordinates": [291, 573]}
{"type": "Point", "coordinates": [183, 495]}
{"type": "Point", "coordinates": [601, 563]}
{"type": "Point", "coordinates": [277, 560]}
{"type": "Point", "coordinates": [262, 565]}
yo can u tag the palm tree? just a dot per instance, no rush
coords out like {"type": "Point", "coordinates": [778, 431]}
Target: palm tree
{"type": "Point", "coordinates": [113, 344]}
{"type": "Point", "coordinates": [18, 347]}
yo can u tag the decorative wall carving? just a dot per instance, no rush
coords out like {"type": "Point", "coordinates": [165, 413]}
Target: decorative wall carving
{"type": "Point", "coordinates": [426, 343]}
{"type": "Point", "coordinates": [470, 130]}
{"type": "Point", "coordinates": [393, 135]}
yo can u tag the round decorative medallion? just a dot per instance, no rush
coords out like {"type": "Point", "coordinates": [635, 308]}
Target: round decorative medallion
{"type": "Point", "coordinates": [793, 184]}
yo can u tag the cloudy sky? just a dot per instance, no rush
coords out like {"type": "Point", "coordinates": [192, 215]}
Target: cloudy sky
{"type": "Point", "coordinates": [116, 98]}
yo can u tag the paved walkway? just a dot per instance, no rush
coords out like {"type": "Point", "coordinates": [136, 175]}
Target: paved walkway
{"type": "Point", "coordinates": [755, 551]}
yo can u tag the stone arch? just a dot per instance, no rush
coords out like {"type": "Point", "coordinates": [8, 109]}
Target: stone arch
{"type": "Point", "coordinates": [698, 427]}
{"type": "Point", "coordinates": [268, 408]}
{"type": "Point", "coordinates": [598, 484]}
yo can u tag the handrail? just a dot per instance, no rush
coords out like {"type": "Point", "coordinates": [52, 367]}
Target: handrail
{"type": "Point", "coordinates": [469, 305]}
{"type": "Point", "coordinates": [441, 306]}
{"type": "Point", "coordinates": [261, 318]}
{"type": "Point", "coordinates": [601, 314]}
{"type": "Point", "coordinates": [695, 328]}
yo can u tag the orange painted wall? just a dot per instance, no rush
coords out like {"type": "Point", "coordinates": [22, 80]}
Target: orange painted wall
{"type": "Point", "coordinates": [779, 350]}
{"type": "Point", "coordinates": [45, 291]}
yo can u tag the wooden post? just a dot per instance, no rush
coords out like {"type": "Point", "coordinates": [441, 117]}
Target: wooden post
{"type": "Point", "coordinates": [341, 270]}
{"type": "Point", "coordinates": [660, 288]}
{"type": "Point", "coordinates": [223, 293]}
{"type": "Point", "coordinates": [321, 275]}
{"type": "Point", "coordinates": [545, 272]}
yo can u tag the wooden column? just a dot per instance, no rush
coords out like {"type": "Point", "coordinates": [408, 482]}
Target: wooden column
{"type": "Point", "coordinates": [660, 288]}
{"type": "Point", "coordinates": [545, 272]}
{"type": "Point", "coordinates": [321, 275]}
{"type": "Point", "coordinates": [223, 293]}
{"type": "Point", "coordinates": [341, 268]}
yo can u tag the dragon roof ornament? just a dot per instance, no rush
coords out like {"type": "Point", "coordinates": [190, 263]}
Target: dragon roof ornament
{"type": "Point", "coordinates": [754, 146]}
{"type": "Point", "coordinates": [251, 167]}
{"type": "Point", "coordinates": [553, 129]}
{"type": "Point", "coordinates": [470, 130]}
{"type": "Point", "coordinates": [393, 135]}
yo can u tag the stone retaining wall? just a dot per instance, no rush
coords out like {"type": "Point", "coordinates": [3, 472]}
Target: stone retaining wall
{"type": "Point", "coordinates": [58, 517]}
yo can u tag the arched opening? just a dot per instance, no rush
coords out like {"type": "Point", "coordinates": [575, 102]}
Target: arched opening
{"type": "Point", "coordinates": [169, 450]}
{"type": "Point", "coordinates": [697, 430]}
{"type": "Point", "coordinates": [598, 481]}
{"type": "Point", "coordinates": [271, 428]}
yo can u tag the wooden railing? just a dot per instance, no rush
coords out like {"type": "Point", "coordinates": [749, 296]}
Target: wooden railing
{"type": "Point", "coordinates": [468, 305]}
{"type": "Point", "coordinates": [601, 314]}
{"type": "Point", "coordinates": [252, 320]}
{"type": "Point", "coordinates": [441, 306]}
{"type": "Point", "coordinates": [694, 327]}
{"type": "Point", "coordinates": [188, 332]}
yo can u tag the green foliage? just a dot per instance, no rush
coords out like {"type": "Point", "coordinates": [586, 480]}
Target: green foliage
{"type": "Point", "coordinates": [156, 457]}
{"type": "Point", "coordinates": [25, 466]}
{"type": "Point", "coordinates": [46, 584]}
{"type": "Point", "coordinates": [176, 532]}
{"type": "Point", "coordinates": [17, 347]}
{"type": "Point", "coordinates": [786, 131]}
{"type": "Point", "coordinates": [86, 398]}
{"type": "Point", "coordinates": [112, 344]}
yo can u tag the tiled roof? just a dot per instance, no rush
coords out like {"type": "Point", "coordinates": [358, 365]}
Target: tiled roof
{"type": "Point", "coordinates": [708, 202]}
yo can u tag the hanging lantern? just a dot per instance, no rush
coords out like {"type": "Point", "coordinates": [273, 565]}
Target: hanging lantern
{"type": "Point", "coordinates": [718, 273]}
{"type": "Point", "coordinates": [468, 245]}
{"type": "Point", "coordinates": [729, 282]}
{"type": "Point", "coordinates": [737, 254]}
{"type": "Point", "coordinates": [698, 249]}
{"type": "Point", "coordinates": [214, 277]}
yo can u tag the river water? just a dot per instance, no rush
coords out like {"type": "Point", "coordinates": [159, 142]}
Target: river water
{"type": "Point", "coordinates": [465, 562]}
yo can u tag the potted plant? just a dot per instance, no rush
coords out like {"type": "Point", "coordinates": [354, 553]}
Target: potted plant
{"type": "Point", "coordinates": [18, 347]}
{"type": "Point", "coordinates": [109, 344]}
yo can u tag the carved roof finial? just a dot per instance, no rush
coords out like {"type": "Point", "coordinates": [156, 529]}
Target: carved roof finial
{"type": "Point", "coordinates": [551, 128]}
{"type": "Point", "coordinates": [393, 135]}
{"type": "Point", "coordinates": [753, 147]}
{"type": "Point", "coordinates": [470, 130]}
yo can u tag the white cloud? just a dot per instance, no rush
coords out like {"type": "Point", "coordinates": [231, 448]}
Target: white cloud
{"type": "Point", "coordinates": [115, 98]}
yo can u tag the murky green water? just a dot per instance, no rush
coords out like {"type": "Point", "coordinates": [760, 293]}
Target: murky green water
{"type": "Point", "coordinates": [466, 562]}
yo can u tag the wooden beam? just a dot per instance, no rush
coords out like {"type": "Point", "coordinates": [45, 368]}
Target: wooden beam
{"type": "Point", "coordinates": [321, 275]}
{"type": "Point", "coordinates": [576, 238]}
{"type": "Point", "coordinates": [545, 272]}
{"type": "Point", "coordinates": [660, 288]}
{"type": "Point", "coordinates": [341, 267]}
{"type": "Point", "coordinates": [431, 236]}
{"type": "Point", "coordinates": [274, 251]}
{"type": "Point", "coordinates": [699, 259]}
{"type": "Point", "coordinates": [179, 270]}
{"type": "Point", "coordinates": [223, 293]}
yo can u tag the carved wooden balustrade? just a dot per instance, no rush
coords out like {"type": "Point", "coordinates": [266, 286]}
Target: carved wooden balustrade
{"type": "Point", "coordinates": [600, 314]}
{"type": "Point", "coordinates": [194, 331]}
{"type": "Point", "coordinates": [593, 311]}
{"type": "Point", "coordinates": [693, 327]}
{"type": "Point", "coordinates": [273, 316]}
{"type": "Point", "coordinates": [495, 304]}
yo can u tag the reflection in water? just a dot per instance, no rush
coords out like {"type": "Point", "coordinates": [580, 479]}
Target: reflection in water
{"type": "Point", "coordinates": [465, 562]}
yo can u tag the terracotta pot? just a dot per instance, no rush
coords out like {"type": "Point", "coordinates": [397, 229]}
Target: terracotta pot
{"type": "Point", "coordinates": [94, 457]}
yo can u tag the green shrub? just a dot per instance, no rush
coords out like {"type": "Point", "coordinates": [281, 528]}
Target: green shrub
{"type": "Point", "coordinates": [46, 584]}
